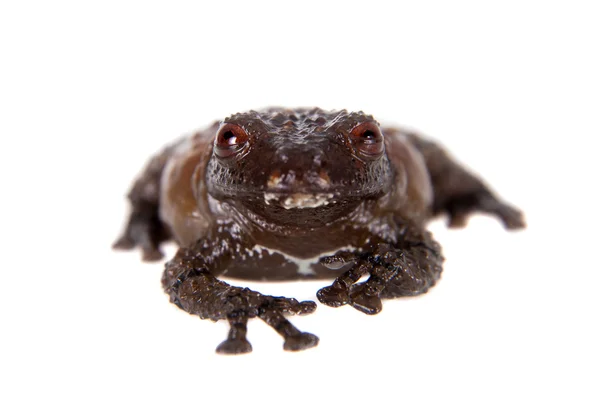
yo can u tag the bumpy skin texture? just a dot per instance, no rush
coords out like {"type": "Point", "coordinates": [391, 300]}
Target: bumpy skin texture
{"type": "Point", "coordinates": [285, 194]}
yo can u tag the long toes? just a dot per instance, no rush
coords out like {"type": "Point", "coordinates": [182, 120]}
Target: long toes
{"type": "Point", "coordinates": [333, 297]}
{"type": "Point", "coordinates": [234, 346]}
{"type": "Point", "coordinates": [367, 304]}
{"type": "Point", "coordinates": [292, 306]}
{"type": "Point", "coordinates": [301, 341]}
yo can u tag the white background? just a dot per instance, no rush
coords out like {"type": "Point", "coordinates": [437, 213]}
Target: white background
{"type": "Point", "coordinates": [89, 91]}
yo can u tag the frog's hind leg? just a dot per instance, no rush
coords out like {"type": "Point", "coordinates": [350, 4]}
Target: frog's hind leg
{"type": "Point", "coordinates": [144, 227]}
{"type": "Point", "coordinates": [459, 193]}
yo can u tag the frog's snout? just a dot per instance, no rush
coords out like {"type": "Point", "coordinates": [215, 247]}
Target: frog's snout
{"type": "Point", "coordinates": [299, 172]}
{"type": "Point", "coordinates": [291, 181]}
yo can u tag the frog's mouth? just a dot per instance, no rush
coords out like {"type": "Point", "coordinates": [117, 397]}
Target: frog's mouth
{"type": "Point", "coordinates": [299, 200]}
{"type": "Point", "coordinates": [301, 208]}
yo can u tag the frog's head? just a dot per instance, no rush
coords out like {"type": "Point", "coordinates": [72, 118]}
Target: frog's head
{"type": "Point", "coordinates": [300, 166]}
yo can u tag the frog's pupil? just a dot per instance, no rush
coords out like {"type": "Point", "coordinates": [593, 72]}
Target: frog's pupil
{"type": "Point", "coordinates": [229, 137]}
{"type": "Point", "coordinates": [369, 134]}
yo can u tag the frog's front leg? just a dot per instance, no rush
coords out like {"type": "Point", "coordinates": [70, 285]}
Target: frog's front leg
{"type": "Point", "coordinates": [406, 268]}
{"type": "Point", "coordinates": [190, 281]}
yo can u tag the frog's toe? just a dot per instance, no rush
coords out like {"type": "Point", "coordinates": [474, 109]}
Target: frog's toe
{"type": "Point", "coordinates": [294, 339]}
{"type": "Point", "coordinates": [333, 296]}
{"type": "Point", "coordinates": [458, 220]}
{"type": "Point", "coordinates": [511, 217]}
{"type": "Point", "coordinates": [290, 305]}
{"type": "Point", "coordinates": [306, 307]}
{"type": "Point", "coordinates": [124, 243]}
{"type": "Point", "coordinates": [234, 346]}
{"type": "Point", "coordinates": [363, 302]}
{"type": "Point", "coordinates": [152, 254]}
{"type": "Point", "coordinates": [301, 341]}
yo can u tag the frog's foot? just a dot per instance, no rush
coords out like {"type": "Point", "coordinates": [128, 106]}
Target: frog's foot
{"type": "Point", "coordinates": [510, 216]}
{"type": "Point", "coordinates": [364, 299]}
{"type": "Point", "coordinates": [460, 210]}
{"type": "Point", "coordinates": [294, 339]}
{"type": "Point", "coordinates": [193, 288]}
{"type": "Point", "coordinates": [236, 342]}
{"type": "Point", "coordinates": [338, 293]}
{"type": "Point", "coordinates": [362, 296]}
{"type": "Point", "coordinates": [393, 272]}
{"type": "Point", "coordinates": [272, 312]}
{"type": "Point", "coordinates": [334, 295]}
{"type": "Point", "coordinates": [145, 230]}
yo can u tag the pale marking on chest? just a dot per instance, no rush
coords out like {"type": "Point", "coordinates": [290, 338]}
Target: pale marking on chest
{"type": "Point", "coordinates": [304, 264]}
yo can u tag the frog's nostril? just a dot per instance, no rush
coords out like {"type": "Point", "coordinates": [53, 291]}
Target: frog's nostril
{"type": "Point", "coordinates": [299, 171]}
{"type": "Point", "coordinates": [296, 180]}
{"type": "Point", "coordinates": [274, 179]}
{"type": "Point", "coordinates": [282, 180]}
{"type": "Point", "coordinates": [323, 180]}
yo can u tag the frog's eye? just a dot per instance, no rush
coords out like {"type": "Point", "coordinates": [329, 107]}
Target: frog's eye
{"type": "Point", "coordinates": [367, 139]}
{"type": "Point", "coordinates": [230, 139]}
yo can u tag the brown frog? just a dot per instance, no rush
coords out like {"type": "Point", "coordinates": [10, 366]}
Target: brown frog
{"type": "Point", "coordinates": [283, 194]}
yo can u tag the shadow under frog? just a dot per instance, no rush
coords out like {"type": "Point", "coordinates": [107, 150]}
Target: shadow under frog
{"type": "Point", "coordinates": [284, 194]}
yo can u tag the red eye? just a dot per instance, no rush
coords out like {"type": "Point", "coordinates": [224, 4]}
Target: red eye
{"type": "Point", "coordinates": [230, 139]}
{"type": "Point", "coordinates": [367, 139]}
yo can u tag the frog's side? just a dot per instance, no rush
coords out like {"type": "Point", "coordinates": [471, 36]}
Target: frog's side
{"type": "Point", "coordinates": [298, 194]}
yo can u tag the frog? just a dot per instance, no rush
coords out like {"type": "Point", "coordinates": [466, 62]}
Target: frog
{"type": "Point", "coordinates": [283, 194]}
